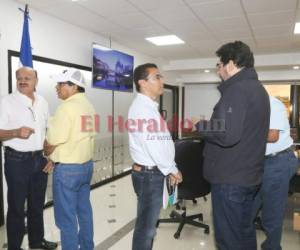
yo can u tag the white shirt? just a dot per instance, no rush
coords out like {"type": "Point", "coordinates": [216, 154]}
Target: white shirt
{"type": "Point", "coordinates": [150, 142]}
{"type": "Point", "coordinates": [279, 121]}
{"type": "Point", "coordinates": [17, 110]}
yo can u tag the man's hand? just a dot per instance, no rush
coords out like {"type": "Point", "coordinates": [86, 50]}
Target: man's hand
{"type": "Point", "coordinates": [23, 132]}
{"type": "Point", "coordinates": [195, 120]}
{"type": "Point", "coordinates": [48, 148]}
{"type": "Point", "coordinates": [49, 167]}
{"type": "Point", "coordinates": [176, 178]}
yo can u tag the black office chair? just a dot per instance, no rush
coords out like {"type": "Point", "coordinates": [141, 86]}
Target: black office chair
{"type": "Point", "coordinates": [189, 160]}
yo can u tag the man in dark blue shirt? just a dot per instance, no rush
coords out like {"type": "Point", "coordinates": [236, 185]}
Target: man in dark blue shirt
{"type": "Point", "coordinates": [236, 137]}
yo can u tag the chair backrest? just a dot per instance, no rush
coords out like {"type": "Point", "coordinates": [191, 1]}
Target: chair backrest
{"type": "Point", "coordinates": [189, 160]}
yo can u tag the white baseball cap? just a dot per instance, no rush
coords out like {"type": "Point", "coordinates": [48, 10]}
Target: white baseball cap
{"type": "Point", "coordinates": [70, 75]}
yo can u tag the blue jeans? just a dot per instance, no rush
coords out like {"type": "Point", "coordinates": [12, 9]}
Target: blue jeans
{"type": "Point", "coordinates": [72, 206]}
{"type": "Point", "coordinates": [273, 194]}
{"type": "Point", "coordinates": [232, 210]}
{"type": "Point", "coordinates": [148, 186]}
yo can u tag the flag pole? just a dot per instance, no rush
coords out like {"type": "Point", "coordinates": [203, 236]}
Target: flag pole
{"type": "Point", "coordinates": [25, 50]}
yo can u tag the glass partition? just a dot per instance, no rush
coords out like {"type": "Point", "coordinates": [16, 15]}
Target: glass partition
{"type": "Point", "coordinates": [122, 161]}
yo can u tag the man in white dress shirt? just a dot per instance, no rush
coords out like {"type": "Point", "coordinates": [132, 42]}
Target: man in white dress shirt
{"type": "Point", "coordinates": [153, 153]}
{"type": "Point", "coordinates": [23, 121]}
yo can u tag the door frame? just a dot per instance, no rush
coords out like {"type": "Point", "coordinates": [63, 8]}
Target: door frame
{"type": "Point", "coordinates": [1, 191]}
{"type": "Point", "coordinates": [175, 107]}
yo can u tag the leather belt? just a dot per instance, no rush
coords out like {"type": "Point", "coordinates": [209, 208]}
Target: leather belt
{"type": "Point", "coordinates": [138, 167]}
{"type": "Point", "coordinates": [278, 153]}
{"type": "Point", "coordinates": [27, 153]}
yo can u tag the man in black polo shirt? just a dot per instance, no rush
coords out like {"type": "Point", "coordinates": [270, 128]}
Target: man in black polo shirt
{"type": "Point", "coordinates": [236, 137]}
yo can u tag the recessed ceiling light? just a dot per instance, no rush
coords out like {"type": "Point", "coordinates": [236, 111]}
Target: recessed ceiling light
{"type": "Point", "coordinates": [165, 40]}
{"type": "Point", "coordinates": [206, 71]}
{"type": "Point", "coordinates": [296, 67]}
{"type": "Point", "coordinates": [297, 28]}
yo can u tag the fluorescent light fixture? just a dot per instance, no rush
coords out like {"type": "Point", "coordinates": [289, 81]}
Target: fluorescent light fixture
{"type": "Point", "coordinates": [296, 67]}
{"type": "Point", "coordinates": [206, 71]}
{"type": "Point", "coordinates": [297, 28]}
{"type": "Point", "coordinates": [164, 40]}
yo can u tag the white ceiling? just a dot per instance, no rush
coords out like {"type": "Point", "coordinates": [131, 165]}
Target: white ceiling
{"type": "Point", "coordinates": [265, 25]}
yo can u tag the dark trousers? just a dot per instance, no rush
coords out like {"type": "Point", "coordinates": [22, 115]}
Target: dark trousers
{"type": "Point", "coordinates": [148, 186]}
{"type": "Point", "coordinates": [232, 216]}
{"type": "Point", "coordinates": [25, 181]}
{"type": "Point", "coordinates": [273, 195]}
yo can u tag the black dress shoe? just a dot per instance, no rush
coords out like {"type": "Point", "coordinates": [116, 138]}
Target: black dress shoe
{"type": "Point", "coordinates": [47, 245]}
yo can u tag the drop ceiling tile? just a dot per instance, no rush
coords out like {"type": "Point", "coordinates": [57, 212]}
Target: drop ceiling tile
{"type": "Point", "coordinates": [273, 30]}
{"type": "Point", "coordinates": [259, 6]}
{"type": "Point", "coordinates": [129, 20]}
{"type": "Point", "coordinates": [215, 9]}
{"type": "Point", "coordinates": [166, 16]}
{"type": "Point", "coordinates": [206, 47]}
{"type": "Point", "coordinates": [203, 24]}
{"type": "Point", "coordinates": [191, 36]}
{"type": "Point", "coordinates": [201, 2]}
{"type": "Point", "coordinates": [149, 31]}
{"type": "Point", "coordinates": [205, 43]}
{"type": "Point", "coordinates": [237, 34]}
{"type": "Point", "coordinates": [91, 21]}
{"type": "Point", "coordinates": [109, 8]}
{"type": "Point", "coordinates": [249, 41]}
{"type": "Point", "coordinates": [271, 18]}
{"type": "Point", "coordinates": [180, 52]}
{"type": "Point", "coordinates": [279, 41]}
{"type": "Point", "coordinates": [147, 5]}
{"type": "Point", "coordinates": [187, 26]}
{"type": "Point", "coordinates": [227, 23]}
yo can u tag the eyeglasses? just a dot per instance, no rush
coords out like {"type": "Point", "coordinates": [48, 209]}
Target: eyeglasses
{"type": "Point", "coordinates": [33, 113]}
{"type": "Point", "coordinates": [156, 77]}
{"type": "Point", "coordinates": [220, 64]}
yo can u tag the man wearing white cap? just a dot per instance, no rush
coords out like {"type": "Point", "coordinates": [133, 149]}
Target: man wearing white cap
{"type": "Point", "coordinates": [70, 145]}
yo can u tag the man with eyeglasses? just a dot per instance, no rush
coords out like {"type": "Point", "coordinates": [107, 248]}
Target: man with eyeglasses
{"type": "Point", "coordinates": [70, 145]}
{"type": "Point", "coordinates": [23, 121]}
{"type": "Point", "coordinates": [152, 151]}
{"type": "Point", "coordinates": [234, 152]}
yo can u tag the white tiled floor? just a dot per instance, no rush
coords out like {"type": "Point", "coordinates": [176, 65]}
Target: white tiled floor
{"type": "Point", "coordinates": [120, 194]}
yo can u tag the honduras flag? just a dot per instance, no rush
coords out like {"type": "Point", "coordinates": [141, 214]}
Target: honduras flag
{"type": "Point", "coordinates": [25, 51]}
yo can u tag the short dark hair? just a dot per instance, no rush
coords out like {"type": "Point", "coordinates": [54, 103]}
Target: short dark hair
{"type": "Point", "coordinates": [141, 73]}
{"type": "Point", "coordinates": [238, 52]}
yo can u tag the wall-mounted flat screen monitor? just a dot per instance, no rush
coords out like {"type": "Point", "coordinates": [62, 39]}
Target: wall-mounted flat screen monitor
{"type": "Point", "coordinates": [112, 69]}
